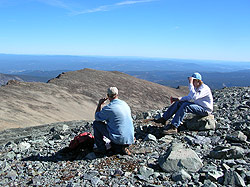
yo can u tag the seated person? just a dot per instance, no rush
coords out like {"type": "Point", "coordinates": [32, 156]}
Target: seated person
{"type": "Point", "coordinates": [199, 101]}
{"type": "Point", "coordinates": [113, 121]}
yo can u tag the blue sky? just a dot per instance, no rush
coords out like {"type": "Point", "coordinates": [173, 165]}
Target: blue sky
{"type": "Point", "coordinates": [187, 29]}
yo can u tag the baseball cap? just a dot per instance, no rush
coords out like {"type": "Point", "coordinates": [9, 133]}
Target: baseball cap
{"type": "Point", "coordinates": [196, 76]}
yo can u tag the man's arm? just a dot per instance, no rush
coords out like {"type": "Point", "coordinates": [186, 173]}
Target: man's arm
{"type": "Point", "coordinates": [99, 106]}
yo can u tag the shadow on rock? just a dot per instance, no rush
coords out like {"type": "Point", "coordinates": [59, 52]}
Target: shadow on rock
{"type": "Point", "coordinates": [142, 131]}
{"type": "Point", "coordinates": [64, 154]}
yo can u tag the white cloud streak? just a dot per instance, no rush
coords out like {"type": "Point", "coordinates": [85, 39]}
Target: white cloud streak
{"type": "Point", "coordinates": [72, 10]}
{"type": "Point", "coordinates": [110, 7]}
{"type": "Point", "coordinates": [132, 2]}
{"type": "Point", "coordinates": [57, 3]}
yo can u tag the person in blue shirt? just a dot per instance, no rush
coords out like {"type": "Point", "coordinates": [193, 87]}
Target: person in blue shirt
{"type": "Point", "coordinates": [113, 121]}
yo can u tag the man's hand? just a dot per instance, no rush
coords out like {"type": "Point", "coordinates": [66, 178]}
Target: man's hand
{"type": "Point", "coordinates": [102, 101]}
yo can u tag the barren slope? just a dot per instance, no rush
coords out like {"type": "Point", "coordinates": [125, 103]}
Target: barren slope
{"type": "Point", "coordinates": [25, 104]}
{"type": "Point", "coordinates": [140, 94]}
{"type": "Point", "coordinates": [74, 95]}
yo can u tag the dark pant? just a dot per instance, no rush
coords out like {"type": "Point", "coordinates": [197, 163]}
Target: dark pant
{"type": "Point", "coordinates": [100, 130]}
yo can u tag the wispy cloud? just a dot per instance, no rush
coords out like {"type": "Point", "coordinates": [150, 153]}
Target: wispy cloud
{"type": "Point", "coordinates": [110, 7]}
{"type": "Point", "coordinates": [132, 2]}
{"type": "Point", "coordinates": [72, 8]}
{"type": "Point", "coordinates": [57, 3]}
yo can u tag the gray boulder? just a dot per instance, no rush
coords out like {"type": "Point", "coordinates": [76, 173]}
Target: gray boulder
{"type": "Point", "coordinates": [194, 122]}
{"type": "Point", "coordinates": [223, 152]}
{"type": "Point", "coordinates": [198, 140]}
{"type": "Point", "coordinates": [178, 157]}
{"type": "Point", "coordinates": [237, 136]}
{"type": "Point", "coordinates": [232, 178]}
{"type": "Point", "coordinates": [145, 172]}
{"type": "Point", "coordinates": [12, 175]}
{"type": "Point", "coordinates": [208, 183]}
{"type": "Point", "coordinates": [181, 175]}
{"type": "Point", "coordinates": [23, 146]}
{"type": "Point", "coordinates": [214, 175]}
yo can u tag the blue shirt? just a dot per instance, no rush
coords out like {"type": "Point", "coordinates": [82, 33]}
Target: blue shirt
{"type": "Point", "coordinates": [117, 114]}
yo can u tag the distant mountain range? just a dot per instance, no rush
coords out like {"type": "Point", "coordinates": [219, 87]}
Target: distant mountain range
{"type": "Point", "coordinates": [215, 80]}
{"type": "Point", "coordinates": [169, 72]}
{"type": "Point", "coordinates": [11, 64]}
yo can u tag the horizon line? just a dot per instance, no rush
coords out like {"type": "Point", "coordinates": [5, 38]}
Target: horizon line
{"type": "Point", "coordinates": [135, 57]}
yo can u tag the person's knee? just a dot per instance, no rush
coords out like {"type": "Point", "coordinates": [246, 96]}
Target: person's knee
{"type": "Point", "coordinates": [184, 108]}
{"type": "Point", "coordinates": [185, 105]}
{"type": "Point", "coordinates": [177, 103]}
{"type": "Point", "coordinates": [182, 104]}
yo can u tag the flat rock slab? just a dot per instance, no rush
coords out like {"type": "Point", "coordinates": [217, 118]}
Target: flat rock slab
{"type": "Point", "coordinates": [198, 123]}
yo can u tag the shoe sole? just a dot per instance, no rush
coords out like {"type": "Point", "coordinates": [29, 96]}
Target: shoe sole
{"type": "Point", "coordinates": [170, 132]}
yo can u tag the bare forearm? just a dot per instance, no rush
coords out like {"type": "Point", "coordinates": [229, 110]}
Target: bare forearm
{"type": "Point", "coordinates": [99, 106]}
{"type": "Point", "coordinates": [98, 109]}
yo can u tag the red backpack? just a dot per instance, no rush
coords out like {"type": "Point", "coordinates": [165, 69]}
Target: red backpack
{"type": "Point", "coordinates": [82, 141]}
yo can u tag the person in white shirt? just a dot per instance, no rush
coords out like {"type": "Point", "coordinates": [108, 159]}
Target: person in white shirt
{"type": "Point", "coordinates": [199, 101]}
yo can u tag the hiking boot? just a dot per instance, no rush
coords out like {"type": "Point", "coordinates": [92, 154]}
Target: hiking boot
{"type": "Point", "coordinates": [160, 120]}
{"type": "Point", "coordinates": [120, 149]}
{"type": "Point", "coordinates": [126, 151]}
{"type": "Point", "coordinates": [170, 130]}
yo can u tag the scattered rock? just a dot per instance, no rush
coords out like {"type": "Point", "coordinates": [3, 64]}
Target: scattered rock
{"type": "Point", "coordinates": [214, 175]}
{"type": "Point", "coordinates": [223, 152]}
{"type": "Point", "coordinates": [232, 178]}
{"type": "Point", "coordinates": [181, 175]}
{"type": "Point", "coordinates": [237, 136]}
{"type": "Point", "coordinates": [178, 157]}
{"type": "Point", "coordinates": [150, 137]}
{"type": "Point", "coordinates": [23, 146]}
{"type": "Point", "coordinates": [208, 183]}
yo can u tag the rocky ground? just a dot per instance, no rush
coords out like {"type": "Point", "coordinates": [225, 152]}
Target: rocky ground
{"type": "Point", "coordinates": [35, 156]}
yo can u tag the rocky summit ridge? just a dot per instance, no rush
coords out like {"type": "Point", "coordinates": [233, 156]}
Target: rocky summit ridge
{"type": "Point", "coordinates": [35, 156]}
{"type": "Point", "coordinates": [74, 96]}
{"type": "Point", "coordinates": [5, 78]}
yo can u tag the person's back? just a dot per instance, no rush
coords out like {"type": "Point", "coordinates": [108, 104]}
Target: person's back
{"type": "Point", "coordinates": [117, 114]}
{"type": "Point", "coordinates": [114, 121]}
